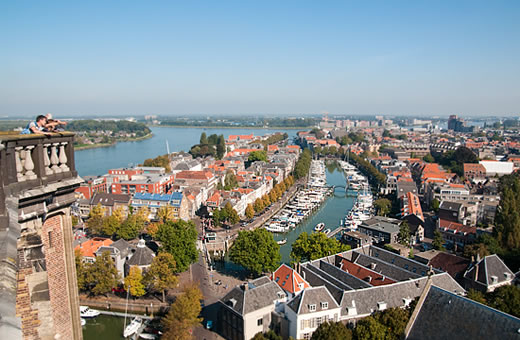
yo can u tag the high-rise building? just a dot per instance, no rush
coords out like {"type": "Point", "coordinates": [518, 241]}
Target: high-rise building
{"type": "Point", "coordinates": [38, 285]}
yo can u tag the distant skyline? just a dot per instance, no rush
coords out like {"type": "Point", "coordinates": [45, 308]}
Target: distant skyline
{"type": "Point", "coordinates": [286, 58]}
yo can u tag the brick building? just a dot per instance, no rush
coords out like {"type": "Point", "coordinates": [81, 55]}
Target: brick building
{"type": "Point", "coordinates": [39, 297]}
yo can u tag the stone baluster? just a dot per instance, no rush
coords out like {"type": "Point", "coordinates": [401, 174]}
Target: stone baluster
{"type": "Point", "coordinates": [63, 158]}
{"type": "Point", "coordinates": [46, 160]}
{"type": "Point", "coordinates": [18, 155]}
{"type": "Point", "coordinates": [54, 159]}
{"type": "Point", "coordinates": [29, 164]}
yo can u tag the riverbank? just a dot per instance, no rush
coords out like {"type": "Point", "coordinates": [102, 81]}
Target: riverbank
{"type": "Point", "coordinates": [233, 127]}
{"type": "Point", "coordinates": [106, 145]}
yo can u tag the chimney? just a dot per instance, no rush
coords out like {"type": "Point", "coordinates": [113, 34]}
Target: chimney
{"type": "Point", "coordinates": [372, 266]}
{"type": "Point", "coordinates": [245, 287]}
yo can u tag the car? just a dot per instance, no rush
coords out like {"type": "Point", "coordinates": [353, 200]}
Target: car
{"type": "Point", "coordinates": [426, 246]}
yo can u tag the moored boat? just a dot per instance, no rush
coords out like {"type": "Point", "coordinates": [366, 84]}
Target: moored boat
{"type": "Point", "coordinates": [319, 226]}
{"type": "Point", "coordinates": [133, 327]}
{"type": "Point", "coordinates": [86, 312]}
{"type": "Point", "coordinates": [282, 242]}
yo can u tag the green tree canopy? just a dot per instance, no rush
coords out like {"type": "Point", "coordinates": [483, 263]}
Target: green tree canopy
{"type": "Point", "coordinates": [310, 247]}
{"type": "Point", "coordinates": [404, 234]}
{"type": "Point", "coordinates": [258, 155]}
{"type": "Point", "coordinates": [131, 227]}
{"type": "Point", "coordinates": [383, 206]}
{"type": "Point", "coordinates": [102, 275]}
{"type": "Point", "coordinates": [438, 241]}
{"type": "Point", "coordinates": [179, 239]}
{"type": "Point", "coordinates": [256, 251]}
{"type": "Point", "coordinates": [332, 331]}
{"type": "Point", "coordinates": [183, 315]}
{"type": "Point", "coordinates": [161, 274]}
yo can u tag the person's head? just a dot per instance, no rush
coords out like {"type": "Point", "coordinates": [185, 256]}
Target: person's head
{"type": "Point", "coordinates": [48, 116]}
{"type": "Point", "coordinates": [41, 120]}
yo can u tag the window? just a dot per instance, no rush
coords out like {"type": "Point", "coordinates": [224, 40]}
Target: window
{"type": "Point", "coordinates": [306, 336]}
{"type": "Point", "coordinates": [324, 305]}
{"type": "Point", "coordinates": [260, 322]}
{"type": "Point", "coordinates": [319, 321]}
{"type": "Point", "coordinates": [50, 239]}
{"type": "Point", "coordinates": [312, 308]}
{"type": "Point", "coordinates": [381, 306]}
{"type": "Point", "coordinates": [406, 266]}
{"type": "Point", "coordinates": [414, 270]}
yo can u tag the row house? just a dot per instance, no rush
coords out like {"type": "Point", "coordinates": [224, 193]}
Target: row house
{"type": "Point", "coordinates": [154, 202]}
{"type": "Point", "coordinates": [144, 183]}
{"type": "Point", "coordinates": [111, 202]}
{"type": "Point", "coordinates": [92, 185]}
{"type": "Point", "coordinates": [446, 192]}
{"type": "Point", "coordinates": [457, 235]}
{"type": "Point", "coordinates": [343, 287]}
{"type": "Point", "coordinates": [204, 179]}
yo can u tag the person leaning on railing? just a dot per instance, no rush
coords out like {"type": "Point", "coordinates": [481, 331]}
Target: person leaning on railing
{"type": "Point", "coordinates": [53, 125]}
{"type": "Point", "coordinates": [36, 127]}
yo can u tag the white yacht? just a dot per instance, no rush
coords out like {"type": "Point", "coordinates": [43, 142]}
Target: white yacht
{"type": "Point", "coordinates": [319, 226]}
{"type": "Point", "coordinates": [86, 312]}
{"type": "Point", "coordinates": [133, 327]}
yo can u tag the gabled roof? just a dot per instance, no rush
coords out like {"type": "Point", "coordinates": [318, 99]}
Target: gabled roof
{"type": "Point", "coordinates": [444, 315]}
{"type": "Point", "coordinates": [260, 293]}
{"type": "Point", "coordinates": [89, 247]}
{"type": "Point", "coordinates": [490, 266]}
{"type": "Point", "coordinates": [107, 199]}
{"type": "Point", "coordinates": [452, 264]}
{"type": "Point", "coordinates": [289, 280]}
{"type": "Point", "coordinates": [143, 256]}
{"type": "Point", "coordinates": [312, 296]}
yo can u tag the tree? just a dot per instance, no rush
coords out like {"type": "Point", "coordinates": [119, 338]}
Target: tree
{"type": "Point", "coordinates": [269, 335]}
{"type": "Point", "coordinates": [370, 329]}
{"type": "Point", "coordinates": [143, 214]}
{"type": "Point", "coordinates": [166, 213]}
{"type": "Point", "coordinates": [316, 245]}
{"type": "Point", "coordinates": [383, 206]}
{"type": "Point", "coordinates": [395, 320]}
{"type": "Point", "coordinates": [221, 146]}
{"type": "Point", "coordinates": [130, 228]}
{"type": "Point", "coordinates": [438, 241]}
{"type": "Point", "coordinates": [472, 250]}
{"type": "Point", "coordinates": [476, 295]}
{"type": "Point", "coordinates": [258, 205]}
{"type": "Point", "coordinates": [161, 274]}
{"type": "Point", "coordinates": [230, 181]}
{"type": "Point", "coordinates": [81, 270]}
{"type": "Point", "coordinates": [250, 211]}
{"type": "Point", "coordinates": [507, 220]}
{"type": "Point", "coordinates": [258, 155]}
{"type": "Point", "coordinates": [435, 204]}
{"type": "Point", "coordinates": [506, 299]}
{"type": "Point", "coordinates": [404, 234]}
{"type": "Point", "coordinates": [267, 200]}
{"type": "Point", "coordinates": [95, 220]}
{"type": "Point", "coordinates": [103, 275]}
{"type": "Point", "coordinates": [428, 158]}
{"type": "Point", "coordinates": [332, 331]}
{"type": "Point", "coordinates": [134, 282]}
{"type": "Point", "coordinates": [112, 223]}
{"type": "Point", "coordinates": [230, 214]}
{"type": "Point", "coordinates": [203, 138]}
{"type": "Point", "coordinates": [183, 315]}
{"type": "Point", "coordinates": [179, 239]}
{"type": "Point", "coordinates": [256, 251]}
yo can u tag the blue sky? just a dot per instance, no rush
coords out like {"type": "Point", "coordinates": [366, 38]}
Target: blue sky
{"type": "Point", "coordinates": [262, 57]}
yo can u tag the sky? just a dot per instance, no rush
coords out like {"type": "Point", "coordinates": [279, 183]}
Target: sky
{"type": "Point", "coordinates": [75, 58]}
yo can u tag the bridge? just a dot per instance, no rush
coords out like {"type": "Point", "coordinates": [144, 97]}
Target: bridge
{"type": "Point", "coordinates": [336, 231]}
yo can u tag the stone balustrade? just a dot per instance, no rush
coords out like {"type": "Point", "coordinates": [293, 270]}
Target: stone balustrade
{"type": "Point", "coordinates": [31, 161]}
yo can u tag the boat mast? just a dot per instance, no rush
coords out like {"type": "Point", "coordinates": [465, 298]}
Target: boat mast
{"type": "Point", "coordinates": [126, 307]}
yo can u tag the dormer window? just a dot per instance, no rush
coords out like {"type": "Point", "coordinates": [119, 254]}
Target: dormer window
{"type": "Point", "coordinates": [312, 308]}
{"type": "Point", "coordinates": [277, 279]}
{"type": "Point", "coordinates": [494, 279]}
{"type": "Point", "coordinates": [324, 305]}
{"type": "Point", "coordinates": [407, 301]}
{"type": "Point", "coordinates": [381, 306]}
{"type": "Point", "coordinates": [507, 276]}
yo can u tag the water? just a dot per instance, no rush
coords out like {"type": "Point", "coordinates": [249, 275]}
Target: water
{"type": "Point", "coordinates": [98, 161]}
{"type": "Point", "coordinates": [331, 212]}
{"type": "Point", "coordinates": [104, 327]}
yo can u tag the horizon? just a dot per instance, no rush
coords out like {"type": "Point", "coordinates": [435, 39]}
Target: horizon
{"type": "Point", "coordinates": [290, 59]}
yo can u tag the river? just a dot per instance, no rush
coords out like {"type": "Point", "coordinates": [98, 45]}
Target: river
{"type": "Point", "coordinates": [99, 160]}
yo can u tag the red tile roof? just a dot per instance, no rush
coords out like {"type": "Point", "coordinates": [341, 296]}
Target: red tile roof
{"type": "Point", "coordinates": [88, 248]}
{"type": "Point", "coordinates": [289, 280]}
{"type": "Point", "coordinates": [362, 273]}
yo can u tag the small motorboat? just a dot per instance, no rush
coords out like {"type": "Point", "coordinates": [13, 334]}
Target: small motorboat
{"type": "Point", "coordinates": [327, 231]}
{"type": "Point", "coordinates": [83, 322]}
{"type": "Point", "coordinates": [319, 226]}
{"type": "Point", "coordinates": [86, 312]}
{"type": "Point", "coordinates": [282, 242]}
{"type": "Point", "coordinates": [133, 327]}
{"type": "Point", "coordinates": [148, 336]}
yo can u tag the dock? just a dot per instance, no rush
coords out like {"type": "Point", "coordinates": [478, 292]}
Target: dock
{"type": "Point", "coordinates": [336, 231]}
{"type": "Point", "coordinates": [128, 315]}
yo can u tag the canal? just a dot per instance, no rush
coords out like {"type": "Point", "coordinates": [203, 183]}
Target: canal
{"type": "Point", "coordinates": [331, 212]}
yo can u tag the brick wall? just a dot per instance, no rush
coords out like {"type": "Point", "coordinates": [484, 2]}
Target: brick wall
{"type": "Point", "coordinates": [52, 237]}
{"type": "Point", "coordinates": [29, 315]}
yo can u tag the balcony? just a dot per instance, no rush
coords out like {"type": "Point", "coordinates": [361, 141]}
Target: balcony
{"type": "Point", "coordinates": [30, 164]}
